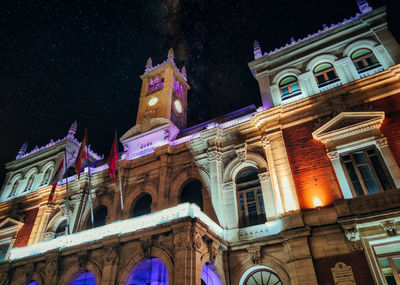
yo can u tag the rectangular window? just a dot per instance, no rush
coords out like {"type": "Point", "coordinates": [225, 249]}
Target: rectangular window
{"type": "Point", "coordinates": [3, 251]}
{"type": "Point", "coordinates": [366, 172]}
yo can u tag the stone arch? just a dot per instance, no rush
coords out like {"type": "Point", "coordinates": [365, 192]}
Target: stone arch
{"type": "Point", "coordinates": [218, 265]}
{"type": "Point", "coordinates": [235, 166]}
{"type": "Point", "coordinates": [35, 276]}
{"type": "Point", "coordinates": [284, 73]}
{"type": "Point", "coordinates": [267, 262]}
{"type": "Point", "coordinates": [47, 166]}
{"type": "Point", "coordinates": [132, 196]}
{"type": "Point", "coordinates": [137, 209]}
{"type": "Point", "coordinates": [364, 43]}
{"type": "Point", "coordinates": [73, 271]}
{"type": "Point", "coordinates": [10, 185]}
{"type": "Point", "coordinates": [97, 202]}
{"type": "Point", "coordinates": [155, 252]}
{"type": "Point", "coordinates": [31, 171]}
{"type": "Point", "coordinates": [179, 182]}
{"type": "Point", "coordinates": [330, 58]}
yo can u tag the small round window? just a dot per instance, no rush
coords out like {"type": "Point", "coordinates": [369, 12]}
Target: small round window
{"type": "Point", "coordinates": [262, 277]}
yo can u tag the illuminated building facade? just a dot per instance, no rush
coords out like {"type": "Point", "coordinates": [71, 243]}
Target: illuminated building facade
{"type": "Point", "coordinates": [302, 190]}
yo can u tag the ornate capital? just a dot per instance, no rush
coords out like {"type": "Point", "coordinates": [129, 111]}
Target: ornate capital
{"type": "Point", "coordinates": [241, 151]}
{"type": "Point", "coordinates": [254, 254]}
{"type": "Point", "coordinates": [213, 252]}
{"type": "Point", "coordinates": [228, 186]}
{"type": "Point", "coordinates": [110, 255]}
{"type": "Point", "coordinates": [181, 240]}
{"type": "Point", "coordinates": [214, 155]}
{"type": "Point", "coordinates": [333, 155]}
{"type": "Point", "coordinates": [390, 228]}
{"type": "Point", "coordinates": [264, 176]}
{"type": "Point", "coordinates": [51, 264]}
{"type": "Point", "coordinates": [197, 242]}
{"type": "Point", "coordinates": [381, 142]}
{"type": "Point", "coordinates": [49, 208]}
{"type": "Point", "coordinates": [265, 141]}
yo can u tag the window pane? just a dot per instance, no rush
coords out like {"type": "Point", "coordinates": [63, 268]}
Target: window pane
{"type": "Point", "coordinates": [354, 179]}
{"type": "Point", "coordinates": [260, 204]}
{"type": "Point", "coordinates": [389, 276]}
{"type": "Point", "coordinates": [250, 196]}
{"type": "Point", "coordinates": [320, 79]}
{"type": "Point", "coordinates": [295, 88]}
{"type": "Point", "coordinates": [360, 53]}
{"type": "Point", "coordinates": [360, 157]}
{"type": "Point", "coordinates": [397, 263]}
{"type": "Point", "coordinates": [287, 80]}
{"type": "Point", "coordinates": [331, 75]}
{"type": "Point", "coordinates": [371, 60]}
{"type": "Point", "coordinates": [384, 263]}
{"type": "Point", "coordinates": [322, 67]}
{"type": "Point", "coordinates": [369, 179]}
{"type": "Point", "coordinates": [385, 182]}
{"type": "Point", "coordinates": [285, 91]}
{"type": "Point", "coordinates": [359, 64]}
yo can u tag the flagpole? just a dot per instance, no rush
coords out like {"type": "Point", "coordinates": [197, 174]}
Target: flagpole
{"type": "Point", "coordinates": [90, 190]}
{"type": "Point", "coordinates": [119, 174]}
{"type": "Point", "coordinates": [67, 191]}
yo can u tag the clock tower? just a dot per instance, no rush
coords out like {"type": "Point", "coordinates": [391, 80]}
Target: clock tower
{"type": "Point", "coordinates": [163, 93]}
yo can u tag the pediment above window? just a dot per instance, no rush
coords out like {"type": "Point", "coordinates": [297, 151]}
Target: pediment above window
{"type": "Point", "coordinates": [9, 227]}
{"type": "Point", "coordinates": [348, 124]}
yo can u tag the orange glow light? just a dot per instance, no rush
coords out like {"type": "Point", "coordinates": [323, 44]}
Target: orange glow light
{"type": "Point", "coordinates": [317, 202]}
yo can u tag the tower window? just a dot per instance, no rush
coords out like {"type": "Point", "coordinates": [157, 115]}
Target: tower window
{"type": "Point", "coordinates": [250, 199]}
{"type": "Point", "coordinates": [364, 60]}
{"type": "Point", "coordinates": [366, 172]}
{"type": "Point", "coordinates": [325, 74]}
{"type": "Point", "coordinates": [289, 87]}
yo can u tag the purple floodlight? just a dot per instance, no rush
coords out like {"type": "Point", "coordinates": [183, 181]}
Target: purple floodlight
{"type": "Point", "coordinates": [86, 278]}
{"type": "Point", "coordinates": [209, 275]}
{"type": "Point", "coordinates": [149, 271]}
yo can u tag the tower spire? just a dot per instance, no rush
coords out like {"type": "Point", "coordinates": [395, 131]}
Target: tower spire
{"type": "Point", "coordinates": [149, 63]}
{"type": "Point", "coordinates": [22, 150]}
{"type": "Point", "coordinates": [363, 6]}
{"type": "Point", "coordinates": [171, 55]}
{"type": "Point", "coordinates": [72, 130]}
{"type": "Point", "coordinates": [257, 50]}
{"type": "Point", "coordinates": [183, 71]}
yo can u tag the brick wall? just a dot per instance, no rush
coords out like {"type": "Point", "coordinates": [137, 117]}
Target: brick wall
{"type": "Point", "coordinates": [391, 125]}
{"type": "Point", "coordinates": [25, 231]}
{"type": "Point", "coordinates": [312, 169]}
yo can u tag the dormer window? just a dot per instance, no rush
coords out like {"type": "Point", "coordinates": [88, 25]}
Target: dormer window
{"type": "Point", "coordinates": [30, 183]}
{"type": "Point", "coordinates": [289, 87]}
{"type": "Point", "coordinates": [46, 176]}
{"type": "Point", "coordinates": [364, 60]}
{"type": "Point", "coordinates": [325, 74]}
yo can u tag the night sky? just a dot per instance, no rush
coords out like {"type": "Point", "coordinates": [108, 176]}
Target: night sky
{"type": "Point", "coordinates": [62, 61]}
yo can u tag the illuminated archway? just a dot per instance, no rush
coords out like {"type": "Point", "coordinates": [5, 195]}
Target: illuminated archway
{"type": "Point", "coordinates": [209, 275]}
{"type": "Point", "coordinates": [85, 278]}
{"type": "Point", "coordinates": [148, 271]}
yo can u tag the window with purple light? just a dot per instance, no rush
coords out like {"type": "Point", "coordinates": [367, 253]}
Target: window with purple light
{"type": "Point", "coordinates": [149, 271]}
{"type": "Point", "coordinates": [209, 275]}
{"type": "Point", "coordinates": [150, 85]}
{"type": "Point", "coordinates": [86, 278]}
{"type": "Point", "coordinates": [33, 282]}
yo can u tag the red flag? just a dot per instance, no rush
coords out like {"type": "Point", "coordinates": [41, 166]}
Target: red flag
{"type": "Point", "coordinates": [81, 154]}
{"type": "Point", "coordinates": [57, 177]}
{"type": "Point", "coordinates": [112, 160]}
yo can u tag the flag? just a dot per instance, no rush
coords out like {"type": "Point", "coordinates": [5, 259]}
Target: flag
{"type": "Point", "coordinates": [112, 160]}
{"type": "Point", "coordinates": [81, 154]}
{"type": "Point", "coordinates": [57, 177]}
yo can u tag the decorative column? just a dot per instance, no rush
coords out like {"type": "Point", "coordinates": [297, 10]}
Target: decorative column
{"type": "Point", "coordinates": [346, 70]}
{"type": "Point", "coordinates": [215, 162]}
{"type": "Point", "coordinates": [268, 196]}
{"type": "Point", "coordinates": [335, 159]}
{"type": "Point", "coordinates": [110, 261]}
{"type": "Point", "coordinates": [230, 205]}
{"type": "Point", "coordinates": [382, 145]}
{"type": "Point", "coordinates": [307, 83]}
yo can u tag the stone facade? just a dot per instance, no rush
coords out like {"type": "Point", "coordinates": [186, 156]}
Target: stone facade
{"type": "Point", "coordinates": [270, 191]}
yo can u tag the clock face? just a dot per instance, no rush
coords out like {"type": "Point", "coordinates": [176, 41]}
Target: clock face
{"type": "Point", "coordinates": [178, 106]}
{"type": "Point", "coordinates": [153, 100]}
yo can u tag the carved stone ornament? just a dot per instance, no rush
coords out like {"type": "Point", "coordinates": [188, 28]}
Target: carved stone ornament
{"type": "Point", "coordinates": [51, 264]}
{"type": "Point", "coordinates": [214, 155]}
{"type": "Point", "coordinates": [83, 259]}
{"type": "Point", "coordinates": [390, 228]}
{"type": "Point", "coordinates": [353, 236]}
{"type": "Point", "coordinates": [145, 245]}
{"type": "Point", "coordinates": [3, 278]}
{"type": "Point", "coordinates": [49, 235]}
{"type": "Point", "coordinates": [228, 186]}
{"type": "Point", "coordinates": [28, 269]}
{"type": "Point", "coordinates": [382, 142]}
{"type": "Point", "coordinates": [241, 151]}
{"type": "Point", "coordinates": [49, 208]}
{"type": "Point", "coordinates": [197, 242]}
{"type": "Point", "coordinates": [181, 241]}
{"type": "Point", "coordinates": [264, 176]}
{"type": "Point", "coordinates": [213, 252]}
{"type": "Point", "coordinates": [254, 254]}
{"type": "Point", "coordinates": [333, 155]}
{"type": "Point", "coordinates": [265, 141]}
{"type": "Point", "coordinates": [110, 255]}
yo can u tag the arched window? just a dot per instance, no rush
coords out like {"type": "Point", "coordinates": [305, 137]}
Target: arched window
{"type": "Point", "coordinates": [149, 271]}
{"type": "Point", "coordinates": [289, 87]}
{"type": "Point", "coordinates": [61, 229]}
{"type": "Point", "coordinates": [46, 176]}
{"type": "Point", "coordinates": [250, 200]}
{"type": "Point", "coordinates": [364, 60]}
{"type": "Point", "coordinates": [100, 216]}
{"type": "Point", "coordinates": [86, 278]}
{"type": "Point", "coordinates": [33, 282]}
{"type": "Point", "coordinates": [262, 277]}
{"type": "Point", "coordinates": [325, 74]}
{"type": "Point", "coordinates": [142, 206]}
{"type": "Point", "coordinates": [14, 188]}
{"type": "Point", "coordinates": [192, 193]}
{"type": "Point", "coordinates": [30, 183]}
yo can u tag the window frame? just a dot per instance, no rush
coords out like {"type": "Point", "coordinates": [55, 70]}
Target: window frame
{"type": "Point", "coordinates": [289, 86]}
{"type": "Point", "coordinates": [370, 164]}
{"type": "Point", "coordinates": [245, 221]}
{"type": "Point", "coordinates": [325, 74]}
{"type": "Point", "coordinates": [365, 62]}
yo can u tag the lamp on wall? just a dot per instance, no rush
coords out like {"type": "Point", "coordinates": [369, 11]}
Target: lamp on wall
{"type": "Point", "coordinates": [317, 202]}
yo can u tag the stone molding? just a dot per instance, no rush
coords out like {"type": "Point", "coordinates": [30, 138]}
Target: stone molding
{"type": "Point", "coordinates": [265, 176]}
{"type": "Point", "coordinates": [214, 155]}
{"type": "Point", "coordinates": [333, 155]}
